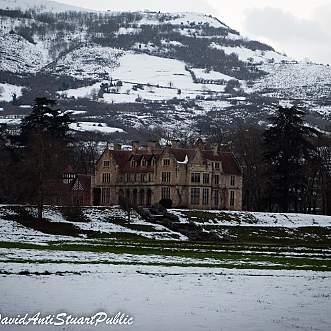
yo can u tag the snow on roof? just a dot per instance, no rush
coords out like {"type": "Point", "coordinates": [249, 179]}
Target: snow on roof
{"type": "Point", "coordinates": [185, 160]}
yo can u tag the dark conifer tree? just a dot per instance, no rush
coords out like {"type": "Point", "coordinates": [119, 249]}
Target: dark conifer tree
{"type": "Point", "coordinates": [45, 137]}
{"type": "Point", "coordinates": [288, 148]}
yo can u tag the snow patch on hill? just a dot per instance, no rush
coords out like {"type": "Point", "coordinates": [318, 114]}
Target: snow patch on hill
{"type": "Point", "coordinates": [210, 75]}
{"type": "Point", "coordinates": [38, 5]}
{"type": "Point", "coordinates": [94, 126]}
{"type": "Point", "coordinates": [7, 91]}
{"type": "Point", "coordinates": [20, 56]}
{"type": "Point", "coordinates": [88, 62]}
{"type": "Point", "coordinates": [248, 55]}
{"type": "Point", "coordinates": [158, 79]}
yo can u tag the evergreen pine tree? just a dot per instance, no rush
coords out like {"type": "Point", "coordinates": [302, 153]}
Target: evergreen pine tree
{"type": "Point", "coordinates": [288, 148]}
{"type": "Point", "coordinates": [44, 135]}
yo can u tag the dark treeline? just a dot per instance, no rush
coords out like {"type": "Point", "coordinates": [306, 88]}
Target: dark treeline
{"type": "Point", "coordinates": [287, 167]}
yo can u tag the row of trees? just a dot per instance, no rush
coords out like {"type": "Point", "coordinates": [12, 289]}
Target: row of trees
{"type": "Point", "coordinates": [287, 167]}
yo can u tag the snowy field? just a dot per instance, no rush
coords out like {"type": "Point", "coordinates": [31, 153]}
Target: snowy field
{"type": "Point", "coordinates": [164, 285]}
{"type": "Point", "coordinates": [176, 298]}
{"type": "Point", "coordinates": [159, 79]}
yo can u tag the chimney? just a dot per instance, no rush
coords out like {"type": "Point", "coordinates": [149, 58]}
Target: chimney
{"type": "Point", "coordinates": [117, 147]}
{"type": "Point", "coordinates": [200, 144]}
{"type": "Point", "coordinates": [174, 143]}
{"type": "Point", "coordinates": [215, 149]}
{"type": "Point", "coordinates": [151, 146]}
{"type": "Point", "coordinates": [135, 146]}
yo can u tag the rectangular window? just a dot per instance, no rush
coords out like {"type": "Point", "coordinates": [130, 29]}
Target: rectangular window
{"type": "Point", "coordinates": [105, 196]}
{"type": "Point", "coordinates": [165, 193]}
{"type": "Point", "coordinates": [143, 178]}
{"type": "Point", "coordinates": [216, 198]}
{"type": "Point", "coordinates": [166, 162]}
{"type": "Point", "coordinates": [232, 180]}
{"type": "Point", "coordinates": [68, 178]}
{"type": "Point", "coordinates": [206, 178]}
{"type": "Point", "coordinates": [106, 164]}
{"type": "Point", "coordinates": [166, 177]}
{"type": "Point", "coordinates": [106, 177]}
{"type": "Point", "coordinates": [231, 198]}
{"type": "Point", "coordinates": [195, 177]}
{"type": "Point", "coordinates": [217, 179]}
{"type": "Point", "coordinates": [217, 165]}
{"type": "Point", "coordinates": [195, 196]}
{"type": "Point", "coordinates": [205, 196]}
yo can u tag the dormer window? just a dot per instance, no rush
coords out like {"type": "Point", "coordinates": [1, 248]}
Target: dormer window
{"type": "Point", "coordinates": [133, 163]}
{"type": "Point", "coordinates": [106, 164]}
{"type": "Point", "coordinates": [166, 162]}
{"type": "Point", "coordinates": [232, 180]}
{"type": "Point", "coordinates": [153, 162]}
{"type": "Point", "coordinates": [143, 162]}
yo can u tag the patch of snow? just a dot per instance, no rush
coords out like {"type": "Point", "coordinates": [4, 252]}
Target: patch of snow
{"type": "Point", "coordinates": [39, 5]}
{"type": "Point", "coordinates": [211, 75]}
{"type": "Point", "coordinates": [248, 55]}
{"type": "Point", "coordinates": [7, 91]}
{"type": "Point", "coordinates": [259, 219]}
{"type": "Point", "coordinates": [94, 126]}
{"type": "Point", "coordinates": [21, 56]}
{"type": "Point", "coordinates": [88, 62]}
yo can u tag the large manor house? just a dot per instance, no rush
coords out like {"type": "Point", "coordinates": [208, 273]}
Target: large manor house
{"type": "Point", "coordinates": [202, 177]}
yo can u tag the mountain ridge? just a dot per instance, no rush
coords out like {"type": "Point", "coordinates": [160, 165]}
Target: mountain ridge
{"type": "Point", "coordinates": [178, 70]}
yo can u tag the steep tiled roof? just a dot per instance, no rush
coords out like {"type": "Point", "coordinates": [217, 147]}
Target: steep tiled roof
{"type": "Point", "coordinates": [229, 163]}
{"type": "Point", "coordinates": [123, 160]}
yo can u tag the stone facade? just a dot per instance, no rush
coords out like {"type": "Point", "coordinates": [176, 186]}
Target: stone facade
{"type": "Point", "coordinates": [199, 178]}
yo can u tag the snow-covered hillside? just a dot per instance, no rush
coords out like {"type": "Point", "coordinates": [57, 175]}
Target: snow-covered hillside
{"type": "Point", "coordinates": [38, 5]}
{"type": "Point", "coordinates": [7, 91]}
{"type": "Point", "coordinates": [185, 70]}
{"type": "Point", "coordinates": [21, 56]}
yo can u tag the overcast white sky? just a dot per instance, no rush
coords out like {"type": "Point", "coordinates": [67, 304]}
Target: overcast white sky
{"type": "Point", "coordinates": [301, 28]}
